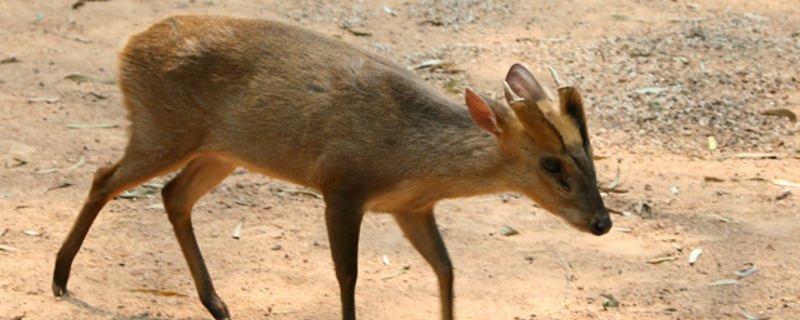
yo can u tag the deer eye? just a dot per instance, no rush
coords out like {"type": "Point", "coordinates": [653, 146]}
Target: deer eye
{"type": "Point", "coordinates": [552, 165]}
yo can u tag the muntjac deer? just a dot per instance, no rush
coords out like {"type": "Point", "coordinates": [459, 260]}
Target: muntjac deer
{"type": "Point", "coordinates": [209, 94]}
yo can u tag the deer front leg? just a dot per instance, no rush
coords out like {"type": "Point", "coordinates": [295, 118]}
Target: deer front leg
{"type": "Point", "coordinates": [421, 230]}
{"type": "Point", "coordinates": [343, 218]}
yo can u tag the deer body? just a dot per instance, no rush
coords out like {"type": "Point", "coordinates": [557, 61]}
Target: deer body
{"type": "Point", "coordinates": [210, 93]}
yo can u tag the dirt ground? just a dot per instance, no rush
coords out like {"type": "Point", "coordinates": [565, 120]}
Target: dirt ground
{"type": "Point", "coordinates": [709, 69]}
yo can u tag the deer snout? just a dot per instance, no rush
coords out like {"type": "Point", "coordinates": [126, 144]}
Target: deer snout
{"type": "Point", "coordinates": [600, 227]}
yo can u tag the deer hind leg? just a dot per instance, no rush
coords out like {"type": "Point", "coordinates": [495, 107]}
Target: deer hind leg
{"type": "Point", "coordinates": [136, 167]}
{"type": "Point", "coordinates": [198, 177]}
{"type": "Point", "coordinates": [421, 230]}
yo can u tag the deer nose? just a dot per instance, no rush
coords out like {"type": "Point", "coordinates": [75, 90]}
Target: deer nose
{"type": "Point", "coordinates": [600, 228]}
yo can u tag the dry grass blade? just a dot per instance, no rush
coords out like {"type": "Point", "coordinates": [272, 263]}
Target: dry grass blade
{"type": "Point", "coordinates": [9, 249]}
{"type": "Point", "coordinates": [61, 186]}
{"type": "Point", "coordinates": [305, 191]}
{"type": "Point", "coordinates": [614, 183]}
{"type": "Point", "coordinates": [784, 193]}
{"type": "Point", "coordinates": [163, 293]}
{"type": "Point", "coordinates": [785, 183]}
{"type": "Point", "coordinates": [432, 64]}
{"type": "Point", "coordinates": [389, 10]}
{"type": "Point", "coordinates": [747, 272]}
{"type": "Point", "coordinates": [155, 206]}
{"type": "Point", "coordinates": [80, 162]}
{"type": "Point", "coordinates": [781, 113]}
{"type": "Point", "coordinates": [80, 3]}
{"type": "Point", "coordinates": [356, 33]}
{"type": "Point", "coordinates": [237, 232]}
{"type": "Point", "coordinates": [65, 36]}
{"type": "Point", "coordinates": [752, 317]}
{"type": "Point", "coordinates": [398, 273]}
{"type": "Point", "coordinates": [92, 126]}
{"type": "Point", "coordinates": [98, 96]}
{"type": "Point", "coordinates": [756, 156]}
{"type": "Point", "coordinates": [19, 162]}
{"type": "Point", "coordinates": [47, 100]}
{"type": "Point", "coordinates": [10, 60]}
{"type": "Point", "coordinates": [718, 217]}
{"type": "Point", "coordinates": [563, 266]}
{"type": "Point", "coordinates": [712, 179]}
{"type": "Point", "coordinates": [723, 282]}
{"type": "Point", "coordinates": [135, 194]}
{"type": "Point", "coordinates": [651, 90]}
{"type": "Point", "coordinates": [83, 78]}
{"type": "Point", "coordinates": [660, 260]}
{"type": "Point", "coordinates": [623, 17]}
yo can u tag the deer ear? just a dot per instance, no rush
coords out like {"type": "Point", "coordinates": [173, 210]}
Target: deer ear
{"type": "Point", "coordinates": [523, 84]}
{"type": "Point", "coordinates": [571, 104]}
{"type": "Point", "coordinates": [481, 113]}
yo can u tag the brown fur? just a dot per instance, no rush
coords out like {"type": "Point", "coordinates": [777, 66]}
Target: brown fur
{"type": "Point", "coordinates": [211, 93]}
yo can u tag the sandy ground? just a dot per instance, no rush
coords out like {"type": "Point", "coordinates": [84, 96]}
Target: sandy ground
{"type": "Point", "coordinates": [722, 64]}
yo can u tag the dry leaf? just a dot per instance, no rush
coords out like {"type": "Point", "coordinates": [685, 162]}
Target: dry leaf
{"type": "Point", "coordinates": [450, 86]}
{"type": "Point", "coordinates": [508, 231]}
{"type": "Point", "coordinates": [611, 302]}
{"type": "Point", "coordinates": [694, 256]}
{"type": "Point", "coordinates": [712, 143]}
